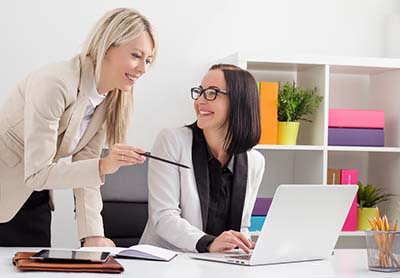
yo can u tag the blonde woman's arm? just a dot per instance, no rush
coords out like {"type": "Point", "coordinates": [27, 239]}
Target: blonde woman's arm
{"type": "Point", "coordinates": [88, 201]}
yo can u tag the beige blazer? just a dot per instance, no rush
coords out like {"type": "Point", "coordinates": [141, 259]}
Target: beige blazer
{"type": "Point", "coordinates": [38, 122]}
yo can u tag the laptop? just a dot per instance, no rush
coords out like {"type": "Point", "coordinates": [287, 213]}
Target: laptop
{"type": "Point", "coordinates": [303, 224]}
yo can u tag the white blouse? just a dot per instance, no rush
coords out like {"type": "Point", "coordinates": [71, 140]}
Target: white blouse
{"type": "Point", "coordinates": [95, 99]}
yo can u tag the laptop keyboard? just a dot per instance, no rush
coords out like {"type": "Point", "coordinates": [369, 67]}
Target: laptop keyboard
{"type": "Point", "coordinates": [241, 257]}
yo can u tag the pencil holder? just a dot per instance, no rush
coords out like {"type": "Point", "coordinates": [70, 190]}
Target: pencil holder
{"type": "Point", "coordinates": [383, 250]}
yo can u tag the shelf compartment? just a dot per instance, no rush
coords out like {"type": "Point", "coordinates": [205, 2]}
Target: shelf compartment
{"type": "Point", "coordinates": [290, 167]}
{"type": "Point", "coordinates": [306, 76]}
{"type": "Point", "coordinates": [375, 88]}
{"type": "Point", "coordinates": [378, 168]}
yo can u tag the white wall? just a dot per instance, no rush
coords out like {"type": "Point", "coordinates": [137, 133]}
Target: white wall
{"type": "Point", "coordinates": [323, 27]}
{"type": "Point", "coordinates": [193, 34]}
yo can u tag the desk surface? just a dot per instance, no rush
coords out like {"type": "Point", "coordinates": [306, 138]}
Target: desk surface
{"type": "Point", "coordinates": [345, 263]}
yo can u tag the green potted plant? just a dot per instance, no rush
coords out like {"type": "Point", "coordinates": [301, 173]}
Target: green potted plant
{"type": "Point", "coordinates": [369, 196]}
{"type": "Point", "coordinates": [294, 103]}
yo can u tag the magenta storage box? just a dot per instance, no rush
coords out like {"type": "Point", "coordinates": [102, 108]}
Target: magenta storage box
{"type": "Point", "coordinates": [356, 118]}
{"type": "Point", "coordinates": [350, 177]}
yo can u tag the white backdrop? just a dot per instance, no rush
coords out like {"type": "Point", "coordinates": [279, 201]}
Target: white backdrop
{"type": "Point", "coordinates": [193, 34]}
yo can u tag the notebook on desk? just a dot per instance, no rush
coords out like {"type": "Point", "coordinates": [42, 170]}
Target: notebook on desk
{"type": "Point", "coordinates": [303, 223]}
{"type": "Point", "coordinates": [141, 251]}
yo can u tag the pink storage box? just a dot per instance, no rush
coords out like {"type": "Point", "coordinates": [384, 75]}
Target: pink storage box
{"type": "Point", "coordinates": [356, 118]}
{"type": "Point", "coordinates": [350, 177]}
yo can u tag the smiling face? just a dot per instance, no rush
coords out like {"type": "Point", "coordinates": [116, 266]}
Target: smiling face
{"type": "Point", "coordinates": [125, 63]}
{"type": "Point", "coordinates": [213, 115]}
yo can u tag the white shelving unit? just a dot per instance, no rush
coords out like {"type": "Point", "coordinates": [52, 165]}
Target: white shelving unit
{"type": "Point", "coordinates": [344, 82]}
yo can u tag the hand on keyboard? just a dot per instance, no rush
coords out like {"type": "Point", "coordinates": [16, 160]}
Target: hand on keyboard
{"type": "Point", "coordinates": [229, 240]}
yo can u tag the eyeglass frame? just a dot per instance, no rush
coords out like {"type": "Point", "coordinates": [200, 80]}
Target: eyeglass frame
{"type": "Point", "coordinates": [217, 91]}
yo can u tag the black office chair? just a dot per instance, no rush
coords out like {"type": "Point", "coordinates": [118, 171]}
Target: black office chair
{"type": "Point", "coordinates": [124, 211]}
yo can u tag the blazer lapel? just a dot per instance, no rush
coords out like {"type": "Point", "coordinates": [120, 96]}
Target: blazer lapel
{"type": "Point", "coordinates": [64, 121]}
{"type": "Point", "coordinates": [238, 190]}
{"type": "Point", "coordinates": [85, 85]}
{"type": "Point", "coordinates": [200, 165]}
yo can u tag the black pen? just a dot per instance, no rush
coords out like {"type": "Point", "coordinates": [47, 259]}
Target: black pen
{"type": "Point", "coordinates": [148, 154]}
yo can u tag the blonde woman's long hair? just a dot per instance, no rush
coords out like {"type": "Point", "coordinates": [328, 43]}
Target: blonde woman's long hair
{"type": "Point", "coordinates": [116, 27]}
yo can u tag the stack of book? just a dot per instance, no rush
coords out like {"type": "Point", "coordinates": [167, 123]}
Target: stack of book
{"type": "Point", "coordinates": [259, 213]}
{"type": "Point", "coordinates": [348, 127]}
{"type": "Point", "coordinates": [346, 176]}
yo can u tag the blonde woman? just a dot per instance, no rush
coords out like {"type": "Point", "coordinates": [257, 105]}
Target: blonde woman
{"type": "Point", "coordinates": [68, 110]}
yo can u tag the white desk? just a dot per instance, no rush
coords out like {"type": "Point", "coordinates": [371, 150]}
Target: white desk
{"type": "Point", "coordinates": [345, 263]}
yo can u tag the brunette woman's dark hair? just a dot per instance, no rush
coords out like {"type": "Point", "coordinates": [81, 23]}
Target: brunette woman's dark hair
{"type": "Point", "coordinates": [244, 127]}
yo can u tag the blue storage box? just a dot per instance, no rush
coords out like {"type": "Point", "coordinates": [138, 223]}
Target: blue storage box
{"type": "Point", "coordinates": [256, 223]}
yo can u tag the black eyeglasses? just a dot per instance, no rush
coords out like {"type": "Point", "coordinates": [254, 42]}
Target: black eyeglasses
{"type": "Point", "coordinates": [209, 93]}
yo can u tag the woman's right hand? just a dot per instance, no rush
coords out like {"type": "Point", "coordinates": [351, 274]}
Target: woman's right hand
{"type": "Point", "coordinates": [120, 155]}
{"type": "Point", "coordinates": [97, 241]}
{"type": "Point", "coordinates": [229, 240]}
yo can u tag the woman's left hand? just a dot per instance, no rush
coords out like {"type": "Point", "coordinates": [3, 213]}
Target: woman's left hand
{"type": "Point", "coordinates": [94, 241]}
